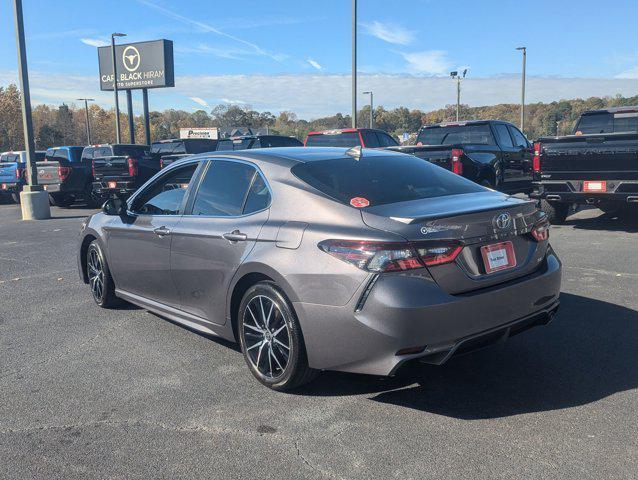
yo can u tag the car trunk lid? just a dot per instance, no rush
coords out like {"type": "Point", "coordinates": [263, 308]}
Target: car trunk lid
{"type": "Point", "coordinates": [475, 220]}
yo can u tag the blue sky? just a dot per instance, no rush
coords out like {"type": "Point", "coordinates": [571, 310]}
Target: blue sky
{"type": "Point", "coordinates": [286, 54]}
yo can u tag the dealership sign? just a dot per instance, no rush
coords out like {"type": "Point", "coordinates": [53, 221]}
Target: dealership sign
{"type": "Point", "coordinates": [199, 132]}
{"type": "Point", "coordinates": [138, 65]}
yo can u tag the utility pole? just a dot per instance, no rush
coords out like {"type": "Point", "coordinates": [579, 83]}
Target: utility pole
{"type": "Point", "coordinates": [455, 75]}
{"type": "Point", "coordinates": [117, 104]}
{"type": "Point", "coordinates": [354, 63]}
{"type": "Point", "coordinates": [524, 50]}
{"type": "Point", "coordinates": [371, 108]}
{"type": "Point", "coordinates": [88, 123]}
{"type": "Point", "coordinates": [34, 201]}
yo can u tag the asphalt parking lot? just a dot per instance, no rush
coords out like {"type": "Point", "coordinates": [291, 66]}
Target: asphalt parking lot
{"type": "Point", "coordinates": [91, 393]}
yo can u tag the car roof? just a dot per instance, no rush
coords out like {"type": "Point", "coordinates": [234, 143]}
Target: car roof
{"type": "Point", "coordinates": [288, 156]}
{"type": "Point", "coordinates": [464, 122]}
{"type": "Point", "coordinates": [630, 108]}
{"type": "Point", "coordinates": [336, 131]}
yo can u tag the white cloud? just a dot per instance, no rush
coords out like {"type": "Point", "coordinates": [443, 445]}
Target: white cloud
{"type": "Point", "coordinates": [94, 42]}
{"type": "Point", "coordinates": [430, 62]}
{"type": "Point", "coordinates": [200, 101]}
{"type": "Point", "coordinates": [315, 95]}
{"type": "Point", "coordinates": [389, 32]}
{"type": "Point", "coordinates": [205, 27]}
{"type": "Point", "coordinates": [630, 73]}
{"type": "Point", "coordinates": [315, 64]}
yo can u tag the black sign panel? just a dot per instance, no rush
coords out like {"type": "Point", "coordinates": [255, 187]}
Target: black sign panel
{"type": "Point", "coordinates": [138, 65]}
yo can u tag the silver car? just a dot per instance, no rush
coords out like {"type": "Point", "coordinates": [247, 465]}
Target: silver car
{"type": "Point", "coordinates": [325, 259]}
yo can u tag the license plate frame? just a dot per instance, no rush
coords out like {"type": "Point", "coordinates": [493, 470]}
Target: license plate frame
{"type": "Point", "coordinates": [498, 257]}
{"type": "Point", "coordinates": [595, 186]}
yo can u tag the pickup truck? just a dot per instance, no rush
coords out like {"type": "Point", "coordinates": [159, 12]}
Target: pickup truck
{"type": "Point", "coordinates": [170, 150]}
{"type": "Point", "coordinates": [65, 176]}
{"type": "Point", "coordinates": [351, 137]}
{"type": "Point", "coordinates": [120, 169]}
{"type": "Point", "coordinates": [13, 173]}
{"type": "Point", "coordinates": [492, 153]}
{"type": "Point", "coordinates": [596, 165]}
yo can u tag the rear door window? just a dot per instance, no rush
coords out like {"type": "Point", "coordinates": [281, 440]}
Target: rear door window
{"type": "Point", "coordinates": [223, 191]}
{"type": "Point", "coordinates": [382, 179]}
{"type": "Point", "coordinates": [504, 139]}
{"type": "Point", "coordinates": [519, 138]}
{"type": "Point", "coordinates": [346, 139]}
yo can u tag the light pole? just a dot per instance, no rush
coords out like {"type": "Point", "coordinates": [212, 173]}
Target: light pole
{"type": "Point", "coordinates": [455, 75]}
{"type": "Point", "coordinates": [117, 105]}
{"type": "Point", "coordinates": [354, 63]}
{"type": "Point", "coordinates": [34, 201]}
{"type": "Point", "coordinates": [371, 108]}
{"type": "Point", "coordinates": [88, 123]}
{"type": "Point", "coordinates": [524, 50]}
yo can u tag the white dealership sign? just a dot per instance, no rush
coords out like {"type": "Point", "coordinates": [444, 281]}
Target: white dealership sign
{"type": "Point", "coordinates": [199, 132]}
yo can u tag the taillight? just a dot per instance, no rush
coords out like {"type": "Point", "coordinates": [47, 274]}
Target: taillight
{"type": "Point", "coordinates": [20, 173]}
{"type": "Point", "coordinates": [161, 163]}
{"type": "Point", "coordinates": [536, 163]}
{"type": "Point", "coordinates": [132, 166]}
{"type": "Point", "coordinates": [540, 231]}
{"type": "Point", "coordinates": [391, 257]}
{"type": "Point", "coordinates": [455, 161]}
{"type": "Point", "coordinates": [64, 172]}
{"type": "Point", "coordinates": [93, 168]}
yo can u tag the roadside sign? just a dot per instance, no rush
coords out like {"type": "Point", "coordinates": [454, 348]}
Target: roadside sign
{"type": "Point", "coordinates": [139, 65]}
{"type": "Point", "coordinates": [199, 132]}
{"type": "Point", "coordinates": [406, 136]}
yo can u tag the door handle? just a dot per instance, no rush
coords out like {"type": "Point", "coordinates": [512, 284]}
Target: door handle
{"type": "Point", "coordinates": [235, 236]}
{"type": "Point", "coordinates": [161, 231]}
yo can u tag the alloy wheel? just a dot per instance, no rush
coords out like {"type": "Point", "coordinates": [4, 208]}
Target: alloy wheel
{"type": "Point", "coordinates": [267, 337]}
{"type": "Point", "coordinates": [96, 274]}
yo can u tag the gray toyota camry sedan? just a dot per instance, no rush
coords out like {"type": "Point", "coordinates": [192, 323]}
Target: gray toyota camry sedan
{"type": "Point", "coordinates": [325, 259]}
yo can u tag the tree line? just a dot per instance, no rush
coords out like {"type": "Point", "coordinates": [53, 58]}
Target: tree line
{"type": "Point", "coordinates": [65, 124]}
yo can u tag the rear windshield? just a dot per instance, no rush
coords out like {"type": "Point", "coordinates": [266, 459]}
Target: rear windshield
{"type": "Point", "coordinates": [607, 123]}
{"type": "Point", "coordinates": [10, 158]}
{"type": "Point", "coordinates": [181, 147]}
{"type": "Point", "coordinates": [478, 134]}
{"type": "Point", "coordinates": [382, 180]}
{"type": "Point", "coordinates": [267, 142]}
{"type": "Point", "coordinates": [130, 150]}
{"type": "Point", "coordinates": [348, 139]}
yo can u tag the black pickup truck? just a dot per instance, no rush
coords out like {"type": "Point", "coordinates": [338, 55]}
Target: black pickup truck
{"type": "Point", "coordinates": [492, 153]}
{"type": "Point", "coordinates": [596, 165]}
{"type": "Point", "coordinates": [120, 169]}
{"type": "Point", "coordinates": [170, 150]}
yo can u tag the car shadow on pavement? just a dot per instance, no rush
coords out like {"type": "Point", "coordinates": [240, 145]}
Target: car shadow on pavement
{"type": "Point", "coordinates": [589, 352]}
{"type": "Point", "coordinates": [626, 222]}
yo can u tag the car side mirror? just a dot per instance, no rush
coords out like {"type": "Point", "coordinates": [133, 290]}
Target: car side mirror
{"type": "Point", "coordinates": [114, 206]}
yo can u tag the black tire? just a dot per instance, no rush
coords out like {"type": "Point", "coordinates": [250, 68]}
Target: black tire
{"type": "Point", "coordinates": [277, 376]}
{"type": "Point", "coordinates": [104, 296]}
{"type": "Point", "coordinates": [15, 197]}
{"type": "Point", "coordinates": [556, 212]}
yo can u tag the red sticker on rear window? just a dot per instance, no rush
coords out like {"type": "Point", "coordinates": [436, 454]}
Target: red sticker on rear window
{"type": "Point", "coordinates": [359, 202]}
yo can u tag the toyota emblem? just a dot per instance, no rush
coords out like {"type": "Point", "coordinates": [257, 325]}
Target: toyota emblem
{"type": "Point", "coordinates": [503, 220]}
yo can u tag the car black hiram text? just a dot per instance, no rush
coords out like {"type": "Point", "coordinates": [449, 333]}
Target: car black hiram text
{"type": "Point", "coordinates": [325, 258]}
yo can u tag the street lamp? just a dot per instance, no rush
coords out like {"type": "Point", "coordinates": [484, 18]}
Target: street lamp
{"type": "Point", "coordinates": [371, 108]}
{"type": "Point", "coordinates": [354, 63]}
{"type": "Point", "coordinates": [34, 201]}
{"type": "Point", "coordinates": [455, 75]}
{"type": "Point", "coordinates": [117, 105]}
{"type": "Point", "coordinates": [524, 50]}
{"type": "Point", "coordinates": [86, 111]}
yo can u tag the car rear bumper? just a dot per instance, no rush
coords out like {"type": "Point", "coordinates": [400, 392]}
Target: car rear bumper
{"type": "Point", "coordinates": [571, 191]}
{"type": "Point", "coordinates": [113, 187]}
{"type": "Point", "coordinates": [412, 312]}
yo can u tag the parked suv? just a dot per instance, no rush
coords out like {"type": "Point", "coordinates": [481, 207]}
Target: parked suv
{"type": "Point", "coordinates": [13, 173]}
{"type": "Point", "coordinates": [170, 150]}
{"type": "Point", "coordinates": [120, 169]}
{"type": "Point", "coordinates": [492, 153]}
{"type": "Point", "coordinates": [351, 137]}
{"type": "Point", "coordinates": [66, 176]}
